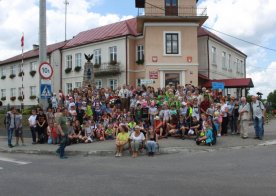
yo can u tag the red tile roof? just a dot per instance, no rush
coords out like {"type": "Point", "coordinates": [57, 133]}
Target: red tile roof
{"type": "Point", "coordinates": [204, 32]}
{"type": "Point", "coordinates": [232, 83]}
{"type": "Point", "coordinates": [118, 29]}
{"type": "Point", "coordinates": [34, 53]}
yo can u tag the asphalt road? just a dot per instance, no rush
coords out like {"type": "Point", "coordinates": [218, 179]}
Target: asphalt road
{"type": "Point", "coordinates": [224, 172]}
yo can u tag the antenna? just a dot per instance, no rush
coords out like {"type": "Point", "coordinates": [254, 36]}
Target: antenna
{"type": "Point", "coordinates": [66, 4]}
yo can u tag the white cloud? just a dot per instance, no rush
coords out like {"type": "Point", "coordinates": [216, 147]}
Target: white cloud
{"type": "Point", "coordinates": [19, 16]}
{"type": "Point", "coordinates": [251, 20]}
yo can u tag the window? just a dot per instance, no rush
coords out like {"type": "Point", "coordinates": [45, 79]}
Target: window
{"type": "Point", "coordinates": [33, 66]}
{"type": "Point", "coordinates": [20, 68]}
{"type": "Point", "coordinates": [32, 91]}
{"type": "Point", "coordinates": [229, 61]}
{"type": "Point", "coordinates": [3, 72]}
{"type": "Point", "coordinates": [99, 84]}
{"type": "Point", "coordinates": [241, 67]}
{"type": "Point", "coordinates": [113, 84]}
{"type": "Point", "coordinates": [13, 93]}
{"type": "Point", "coordinates": [20, 91]}
{"type": "Point", "coordinates": [97, 56]}
{"type": "Point", "coordinates": [68, 61]}
{"type": "Point", "coordinates": [13, 69]}
{"type": "Point", "coordinates": [172, 43]}
{"type": "Point", "coordinates": [238, 65]}
{"type": "Point", "coordinates": [3, 93]}
{"type": "Point", "coordinates": [214, 55]}
{"type": "Point", "coordinates": [78, 60]}
{"type": "Point", "coordinates": [140, 53]}
{"type": "Point", "coordinates": [223, 59]}
{"type": "Point", "coordinates": [68, 88]}
{"type": "Point", "coordinates": [113, 54]}
{"type": "Point", "coordinates": [171, 2]}
{"type": "Point", "coordinates": [78, 84]}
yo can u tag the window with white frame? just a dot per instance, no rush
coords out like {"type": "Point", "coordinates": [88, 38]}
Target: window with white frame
{"type": "Point", "coordinates": [20, 91]}
{"type": "Point", "coordinates": [113, 54]}
{"type": "Point", "coordinates": [13, 92]}
{"type": "Point", "coordinates": [99, 83]}
{"type": "Point", "coordinates": [68, 88]}
{"type": "Point", "coordinates": [238, 65]}
{"type": "Point", "coordinates": [32, 90]}
{"type": "Point", "coordinates": [140, 53]}
{"type": "Point", "coordinates": [3, 71]}
{"type": "Point", "coordinates": [68, 61]}
{"type": "Point", "coordinates": [13, 67]}
{"type": "Point", "coordinates": [113, 84]}
{"type": "Point", "coordinates": [97, 56]}
{"type": "Point", "coordinates": [77, 84]}
{"type": "Point", "coordinates": [3, 93]}
{"type": "Point", "coordinates": [229, 62]}
{"type": "Point", "coordinates": [241, 67]}
{"type": "Point", "coordinates": [172, 43]}
{"type": "Point", "coordinates": [223, 59]}
{"type": "Point", "coordinates": [77, 59]}
{"type": "Point", "coordinates": [33, 66]}
{"type": "Point", "coordinates": [214, 55]}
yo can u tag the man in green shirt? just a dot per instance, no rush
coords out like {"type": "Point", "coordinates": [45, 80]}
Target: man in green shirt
{"type": "Point", "coordinates": [63, 127]}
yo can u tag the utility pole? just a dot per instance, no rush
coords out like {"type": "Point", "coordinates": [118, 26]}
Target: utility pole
{"type": "Point", "coordinates": [66, 4]}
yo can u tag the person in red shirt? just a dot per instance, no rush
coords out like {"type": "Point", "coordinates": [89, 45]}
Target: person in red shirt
{"type": "Point", "coordinates": [205, 104]}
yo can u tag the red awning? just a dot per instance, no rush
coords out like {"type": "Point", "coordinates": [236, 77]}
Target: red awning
{"type": "Point", "coordinates": [232, 83]}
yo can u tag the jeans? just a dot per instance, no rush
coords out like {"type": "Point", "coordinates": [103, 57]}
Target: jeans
{"type": "Point", "coordinates": [259, 127]}
{"type": "Point", "coordinates": [224, 125]}
{"type": "Point", "coordinates": [233, 121]}
{"type": "Point", "coordinates": [62, 146]}
{"type": "Point", "coordinates": [10, 132]}
{"type": "Point", "coordinates": [33, 134]}
{"type": "Point", "coordinates": [151, 146]}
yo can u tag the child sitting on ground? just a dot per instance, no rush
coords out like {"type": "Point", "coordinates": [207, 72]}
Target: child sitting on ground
{"type": "Point", "coordinates": [109, 133]}
{"type": "Point", "coordinates": [207, 136]}
{"type": "Point", "coordinates": [99, 133]}
{"type": "Point", "coordinates": [89, 134]}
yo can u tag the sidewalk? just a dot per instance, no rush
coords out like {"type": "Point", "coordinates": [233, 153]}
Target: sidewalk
{"type": "Point", "coordinates": [170, 145]}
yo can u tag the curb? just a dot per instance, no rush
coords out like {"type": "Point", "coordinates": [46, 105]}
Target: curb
{"type": "Point", "coordinates": [162, 151]}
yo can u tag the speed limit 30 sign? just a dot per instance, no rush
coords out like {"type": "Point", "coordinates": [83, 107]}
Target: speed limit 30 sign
{"type": "Point", "coordinates": [45, 70]}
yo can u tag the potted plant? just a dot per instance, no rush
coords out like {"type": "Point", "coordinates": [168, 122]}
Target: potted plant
{"type": "Point", "coordinates": [13, 98]}
{"type": "Point", "coordinates": [68, 70]}
{"type": "Point", "coordinates": [3, 77]}
{"type": "Point", "coordinates": [97, 65]}
{"type": "Point", "coordinates": [77, 68]}
{"type": "Point", "coordinates": [113, 62]}
{"type": "Point", "coordinates": [3, 98]}
{"type": "Point", "coordinates": [12, 76]}
{"type": "Point", "coordinates": [20, 98]}
{"type": "Point", "coordinates": [140, 62]}
{"type": "Point", "coordinates": [32, 73]}
{"type": "Point", "coordinates": [32, 97]}
{"type": "Point", "coordinates": [20, 74]}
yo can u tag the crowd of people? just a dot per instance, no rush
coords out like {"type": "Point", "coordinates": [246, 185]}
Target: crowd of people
{"type": "Point", "coordinates": [137, 118]}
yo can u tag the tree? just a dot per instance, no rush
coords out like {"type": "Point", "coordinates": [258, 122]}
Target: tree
{"type": "Point", "coordinates": [271, 98]}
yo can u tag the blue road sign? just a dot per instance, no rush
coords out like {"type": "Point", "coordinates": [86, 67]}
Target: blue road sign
{"type": "Point", "coordinates": [45, 91]}
{"type": "Point", "coordinates": [218, 85]}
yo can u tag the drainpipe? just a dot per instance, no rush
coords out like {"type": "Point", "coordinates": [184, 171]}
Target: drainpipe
{"type": "Point", "coordinates": [60, 69]}
{"type": "Point", "coordinates": [208, 56]}
{"type": "Point", "coordinates": [126, 60]}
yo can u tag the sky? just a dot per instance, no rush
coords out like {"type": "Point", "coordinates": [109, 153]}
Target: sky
{"type": "Point", "coordinates": [250, 20]}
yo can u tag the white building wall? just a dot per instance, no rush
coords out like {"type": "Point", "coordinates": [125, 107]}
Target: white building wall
{"type": "Point", "coordinates": [74, 76]}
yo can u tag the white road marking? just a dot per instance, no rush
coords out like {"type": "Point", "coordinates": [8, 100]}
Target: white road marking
{"type": "Point", "coordinates": [268, 143]}
{"type": "Point", "coordinates": [14, 161]}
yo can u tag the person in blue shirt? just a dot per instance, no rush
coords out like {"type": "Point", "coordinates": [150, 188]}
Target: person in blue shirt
{"type": "Point", "coordinates": [206, 138]}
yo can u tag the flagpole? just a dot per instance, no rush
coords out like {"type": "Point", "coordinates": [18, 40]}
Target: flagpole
{"type": "Point", "coordinates": [22, 75]}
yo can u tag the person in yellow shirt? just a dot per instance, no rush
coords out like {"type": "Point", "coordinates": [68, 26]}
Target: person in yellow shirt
{"type": "Point", "coordinates": [122, 140]}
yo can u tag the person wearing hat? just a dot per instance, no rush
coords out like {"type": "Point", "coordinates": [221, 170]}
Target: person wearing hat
{"type": "Point", "coordinates": [137, 139]}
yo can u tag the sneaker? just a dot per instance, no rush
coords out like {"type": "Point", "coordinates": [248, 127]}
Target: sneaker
{"type": "Point", "coordinates": [11, 146]}
{"type": "Point", "coordinates": [233, 133]}
{"type": "Point", "coordinates": [117, 154]}
{"type": "Point", "coordinates": [219, 135]}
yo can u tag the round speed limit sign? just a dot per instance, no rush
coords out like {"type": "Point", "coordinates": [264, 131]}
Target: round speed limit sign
{"type": "Point", "coordinates": [45, 70]}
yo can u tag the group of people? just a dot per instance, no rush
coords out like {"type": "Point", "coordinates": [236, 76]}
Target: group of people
{"type": "Point", "coordinates": [136, 118]}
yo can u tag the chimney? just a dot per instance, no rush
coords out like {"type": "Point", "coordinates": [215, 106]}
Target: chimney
{"type": "Point", "coordinates": [35, 46]}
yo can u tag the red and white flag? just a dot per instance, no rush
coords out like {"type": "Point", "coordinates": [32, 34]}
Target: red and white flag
{"type": "Point", "coordinates": [22, 40]}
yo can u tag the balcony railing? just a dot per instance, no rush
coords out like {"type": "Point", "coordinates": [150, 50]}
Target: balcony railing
{"type": "Point", "coordinates": [103, 69]}
{"type": "Point", "coordinates": [181, 11]}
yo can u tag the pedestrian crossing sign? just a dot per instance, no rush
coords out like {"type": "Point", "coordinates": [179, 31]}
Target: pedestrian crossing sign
{"type": "Point", "coordinates": [45, 91]}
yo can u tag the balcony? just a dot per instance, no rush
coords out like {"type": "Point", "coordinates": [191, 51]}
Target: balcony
{"type": "Point", "coordinates": [181, 11]}
{"type": "Point", "coordinates": [104, 69]}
